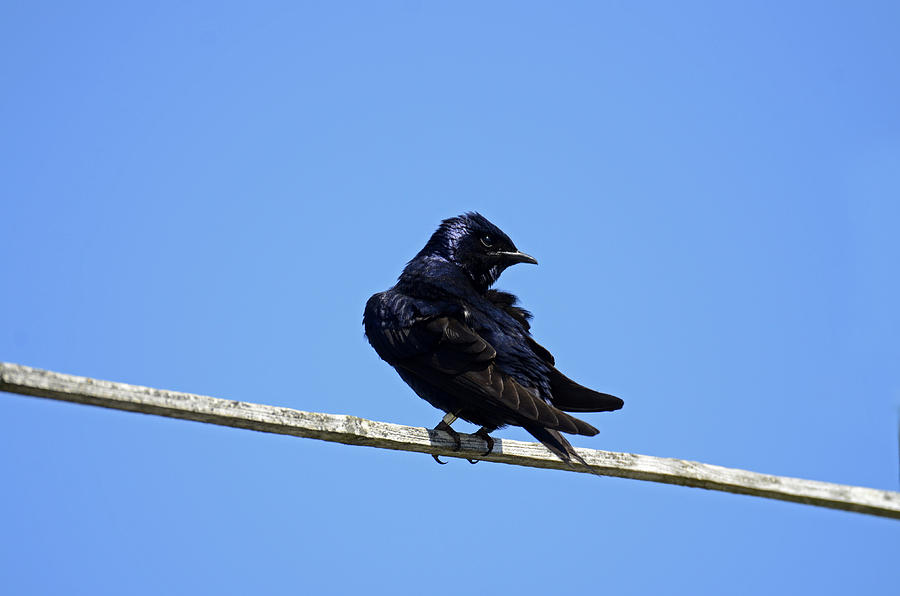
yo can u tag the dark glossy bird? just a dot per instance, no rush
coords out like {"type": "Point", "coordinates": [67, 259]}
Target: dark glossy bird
{"type": "Point", "coordinates": [467, 349]}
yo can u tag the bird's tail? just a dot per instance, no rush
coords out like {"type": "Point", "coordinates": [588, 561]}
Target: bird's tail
{"type": "Point", "coordinates": [555, 442]}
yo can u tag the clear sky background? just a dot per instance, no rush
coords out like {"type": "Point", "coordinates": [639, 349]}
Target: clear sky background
{"type": "Point", "coordinates": [201, 197]}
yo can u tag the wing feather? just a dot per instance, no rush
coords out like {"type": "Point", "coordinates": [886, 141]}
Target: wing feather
{"type": "Point", "coordinates": [462, 363]}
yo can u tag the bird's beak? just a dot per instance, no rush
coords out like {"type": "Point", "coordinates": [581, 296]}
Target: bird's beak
{"type": "Point", "coordinates": [516, 257]}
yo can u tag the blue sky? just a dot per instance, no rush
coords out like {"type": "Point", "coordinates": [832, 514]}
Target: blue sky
{"type": "Point", "coordinates": [201, 197]}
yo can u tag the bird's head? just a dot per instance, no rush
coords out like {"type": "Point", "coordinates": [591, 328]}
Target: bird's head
{"type": "Point", "coordinates": [477, 246]}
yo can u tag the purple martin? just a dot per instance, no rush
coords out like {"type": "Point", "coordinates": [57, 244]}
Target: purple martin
{"type": "Point", "coordinates": [467, 349]}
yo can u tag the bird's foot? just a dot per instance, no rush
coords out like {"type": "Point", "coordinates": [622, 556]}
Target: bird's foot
{"type": "Point", "coordinates": [483, 433]}
{"type": "Point", "coordinates": [444, 426]}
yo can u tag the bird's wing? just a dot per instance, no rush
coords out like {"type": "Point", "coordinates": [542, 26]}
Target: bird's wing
{"type": "Point", "coordinates": [566, 394]}
{"type": "Point", "coordinates": [507, 302]}
{"type": "Point", "coordinates": [462, 363]}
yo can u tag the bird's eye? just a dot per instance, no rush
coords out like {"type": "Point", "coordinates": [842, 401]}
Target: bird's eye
{"type": "Point", "coordinates": [487, 240]}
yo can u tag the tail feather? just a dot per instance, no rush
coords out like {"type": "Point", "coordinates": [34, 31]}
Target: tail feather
{"type": "Point", "coordinates": [555, 442]}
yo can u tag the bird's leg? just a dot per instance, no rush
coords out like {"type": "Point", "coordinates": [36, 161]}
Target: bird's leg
{"type": "Point", "coordinates": [444, 425]}
{"type": "Point", "coordinates": [483, 433]}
